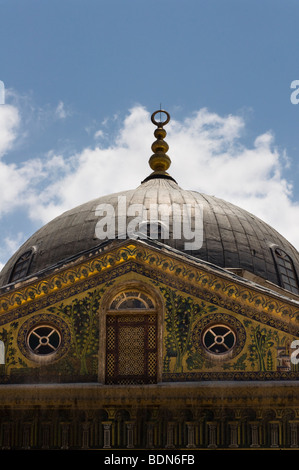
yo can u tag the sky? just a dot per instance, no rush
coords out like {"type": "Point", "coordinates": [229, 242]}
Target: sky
{"type": "Point", "coordinates": [81, 79]}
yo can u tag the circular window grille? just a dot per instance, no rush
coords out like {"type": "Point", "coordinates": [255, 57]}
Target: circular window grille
{"type": "Point", "coordinates": [44, 340]}
{"type": "Point", "coordinates": [218, 334]}
{"type": "Point", "coordinates": [219, 339]}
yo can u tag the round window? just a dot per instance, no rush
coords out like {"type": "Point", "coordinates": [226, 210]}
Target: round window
{"type": "Point", "coordinates": [44, 340]}
{"type": "Point", "coordinates": [219, 339]}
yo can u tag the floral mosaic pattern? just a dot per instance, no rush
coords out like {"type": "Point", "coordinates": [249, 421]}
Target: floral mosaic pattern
{"type": "Point", "coordinates": [193, 299]}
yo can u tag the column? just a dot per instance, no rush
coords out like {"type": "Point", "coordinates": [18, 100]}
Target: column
{"type": "Point", "coordinates": [6, 436]}
{"type": "Point", "coordinates": [294, 433]}
{"type": "Point", "coordinates": [170, 436]}
{"type": "Point", "coordinates": [254, 434]}
{"type": "Point", "coordinates": [65, 436]}
{"type": "Point", "coordinates": [107, 434]}
{"type": "Point", "coordinates": [130, 434]}
{"type": "Point", "coordinates": [149, 435]}
{"type": "Point", "coordinates": [45, 436]}
{"type": "Point", "coordinates": [85, 436]}
{"type": "Point", "coordinates": [274, 433]}
{"type": "Point", "coordinates": [26, 436]}
{"type": "Point", "coordinates": [191, 435]}
{"type": "Point", "coordinates": [233, 425]}
{"type": "Point", "coordinates": [212, 426]}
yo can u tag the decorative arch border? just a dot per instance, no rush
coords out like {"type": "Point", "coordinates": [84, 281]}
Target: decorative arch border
{"type": "Point", "coordinates": [237, 292]}
{"type": "Point", "coordinates": [158, 310]}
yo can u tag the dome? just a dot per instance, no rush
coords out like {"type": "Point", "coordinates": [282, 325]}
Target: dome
{"type": "Point", "coordinates": [231, 237]}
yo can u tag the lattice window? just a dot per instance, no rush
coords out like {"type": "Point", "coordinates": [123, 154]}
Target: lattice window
{"type": "Point", "coordinates": [287, 273]}
{"type": "Point", "coordinates": [131, 353]}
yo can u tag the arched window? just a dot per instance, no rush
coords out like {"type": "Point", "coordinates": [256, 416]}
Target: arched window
{"type": "Point", "coordinates": [131, 300]}
{"type": "Point", "coordinates": [286, 270]}
{"type": "Point", "coordinates": [131, 339]}
{"type": "Point", "coordinates": [21, 267]}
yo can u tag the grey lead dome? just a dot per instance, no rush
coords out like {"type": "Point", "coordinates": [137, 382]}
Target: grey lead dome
{"type": "Point", "coordinates": [232, 237]}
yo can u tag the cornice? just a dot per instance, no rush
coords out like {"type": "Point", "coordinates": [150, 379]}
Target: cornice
{"type": "Point", "coordinates": [93, 396]}
{"type": "Point", "coordinates": [215, 285]}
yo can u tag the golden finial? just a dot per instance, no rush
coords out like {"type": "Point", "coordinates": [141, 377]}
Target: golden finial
{"type": "Point", "coordinates": [159, 161]}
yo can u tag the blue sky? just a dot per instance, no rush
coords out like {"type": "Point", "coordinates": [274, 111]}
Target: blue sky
{"type": "Point", "coordinates": [82, 78]}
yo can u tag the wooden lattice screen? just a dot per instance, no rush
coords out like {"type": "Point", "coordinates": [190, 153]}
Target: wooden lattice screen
{"type": "Point", "coordinates": [131, 349]}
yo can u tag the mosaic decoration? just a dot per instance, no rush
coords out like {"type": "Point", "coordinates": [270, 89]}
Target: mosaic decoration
{"type": "Point", "coordinates": [82, 316]}
{"type": "Point", "coordinates": [77, 321]}
{"type": "Point", "coordinates": [263, 325]}
{"type": "Point", "coordinates": [257, 350]}
{"type": "Point", "coordinates": [12, 358]}
{"type": "Point", "coordinates": [214, 285]}
{"type": "Point", "coordinates": [181, 314]}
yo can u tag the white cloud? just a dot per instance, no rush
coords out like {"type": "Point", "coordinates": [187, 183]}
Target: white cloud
{"type": "Point", "coordinates": [9, 246]}
{"type": "Point", "coordinates": [61, 111]}
{"type": "Point", "coordinates": [99, 171]}
{"type": "Point", "coordinates": [99, 134]}
{"type": "Point", "coordinates": [9, 122]}
{"type": "Point", "coordinates": [17, 183]}
{"type": "Point", "coordinates": [249, 177]}
{"type": "Point", "coordinates": [13, 180]}
{"type": "Point", "coordinates": [207, 156]}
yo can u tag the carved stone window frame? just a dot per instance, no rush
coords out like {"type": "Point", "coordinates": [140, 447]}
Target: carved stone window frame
{"type": "Point", "coordinates": [158, 310]}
